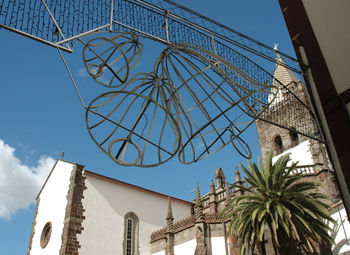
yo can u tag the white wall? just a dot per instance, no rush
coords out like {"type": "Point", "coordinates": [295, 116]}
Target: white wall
{"type": "Point", "coordinates": [52, 207]}
{"type": "Point", "coordinates": [300, 153]}
{"type": "Point", "coordinates": [218, 245]}
{"type": "Point", "coordinates": [159, 253]}
{"type": "Point", "coordinates": [186, 248]}
{"type": "Point", "coordinates": [330, 21]}
{"type": "Point", "coordinates": [341, 233]}
{"type": "Point", "coordinates": [106, 204]}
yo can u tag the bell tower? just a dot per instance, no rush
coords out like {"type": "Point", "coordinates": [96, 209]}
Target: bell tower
{"type": "Point", "coordinates": [282, 107]}
{"type": "Point", "coordinates": [288, 110]}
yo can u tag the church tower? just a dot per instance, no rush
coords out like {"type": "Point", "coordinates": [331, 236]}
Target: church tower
{"type": "Point", "coordinates": [283, 108]}
{"type": "Point", "coordinates": [288, 110]}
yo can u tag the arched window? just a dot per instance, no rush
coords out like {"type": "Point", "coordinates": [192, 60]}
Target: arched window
{"type": "Point", "coordinates": [278, 144]}
{"type": "Point", "coordinates": [131, 234]}
{"type": "Point", "coordinates": [294, 138]}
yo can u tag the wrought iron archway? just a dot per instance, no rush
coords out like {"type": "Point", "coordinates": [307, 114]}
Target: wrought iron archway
{"type": "Point", "coordinates": [200, 96]}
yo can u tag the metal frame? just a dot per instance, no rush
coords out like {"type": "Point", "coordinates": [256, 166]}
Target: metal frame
{"type": "Point", "coordinates": [189, 79]}
{"type": "Point", "coordinates": [116, 15]}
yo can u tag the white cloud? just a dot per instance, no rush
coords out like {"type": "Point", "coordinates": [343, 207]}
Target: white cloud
{"type": "Point", "coordinates": [19, 183]}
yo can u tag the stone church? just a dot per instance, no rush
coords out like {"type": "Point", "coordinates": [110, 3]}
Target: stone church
{"type": "Point", "coordinates": [204, 232]}
{"type": "Point", "coordinates": [79, 212]}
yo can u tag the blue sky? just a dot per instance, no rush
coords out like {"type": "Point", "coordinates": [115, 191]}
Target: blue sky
{"type": "Point", "coordinates": [41, 117]}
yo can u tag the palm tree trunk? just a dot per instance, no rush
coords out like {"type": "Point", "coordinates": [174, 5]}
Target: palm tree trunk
{"type": "Point", "coordinates": [276, 248]}
{"type": "Point", "coordinates": [262, 245]}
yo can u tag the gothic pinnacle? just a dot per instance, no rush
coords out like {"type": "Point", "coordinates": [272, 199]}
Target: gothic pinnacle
{"type": "Point", "coordinates": [170, 218]}
{"type": "Point", "coordinates": [238, 181]}
{"type": "Point", "coordinates": [198, 194]}
{"type": "Point", "coordinates": [228, 194]}
{"type": "Point", "coordinates": [198, 207]}
{"type": "Point", "coordinates": [212, 187]}
{"type": "Point", "coordinates": [238, 178]}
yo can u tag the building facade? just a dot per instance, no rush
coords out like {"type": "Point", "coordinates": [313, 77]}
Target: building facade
{"type": "Point", "coordinates": [80, 212]}
{"type": "Point", "coordinates": [203, 232]}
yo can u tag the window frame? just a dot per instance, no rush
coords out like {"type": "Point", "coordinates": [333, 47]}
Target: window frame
{"type": "Point", "coordinates": [278, 144]}
{"type": "Point", "coordinates": [45, 234]}
{"type": "Point", "coordinates": [131, 234]}
{"type": "Point", "coordinates": [294, 137]}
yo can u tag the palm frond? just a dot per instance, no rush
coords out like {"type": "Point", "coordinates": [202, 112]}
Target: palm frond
{"type": "Point", "coordinates": [281, 201]}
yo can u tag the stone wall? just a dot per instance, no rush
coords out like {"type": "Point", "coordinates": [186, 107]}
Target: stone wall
{"type": "Point", "coordinates": [289, 112]}
{"type": "Point", "coordinates": [188, 230]}
{"type": "Point", "coordinates": [74, 213]}
{"type": "Point", "coordinates": [51, 210]}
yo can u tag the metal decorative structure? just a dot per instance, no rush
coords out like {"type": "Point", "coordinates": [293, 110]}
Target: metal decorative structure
{"type": "Point", "coordinates": [103, 56]}
{"type": "Point", "coordinates": [213, 99]}
{"type": "Point", "coordinates": [59, 24]}
{"type": "Point", "coordinates": [201, 95]}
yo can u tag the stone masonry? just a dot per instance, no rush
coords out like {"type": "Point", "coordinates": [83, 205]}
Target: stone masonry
{"type": "Point", "coordinates": [74, 213]}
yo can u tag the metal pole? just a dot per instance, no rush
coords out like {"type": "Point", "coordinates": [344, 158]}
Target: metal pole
{"type": "Point", "coordinates": [166, 25]}
{"type": "Point", "coordinates": [111, 16]}
{"type": "Point", "coordinates": [54, 21]}
{"type": "Point", "coordinates": [337, 167]}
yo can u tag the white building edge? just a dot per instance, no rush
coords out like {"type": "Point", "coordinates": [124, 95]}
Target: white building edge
{"type": "Point", "coordinates": [81, 212]}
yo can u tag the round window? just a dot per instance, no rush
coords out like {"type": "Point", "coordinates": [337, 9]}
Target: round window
{"type": "Point", "coordinates": [45, 234]}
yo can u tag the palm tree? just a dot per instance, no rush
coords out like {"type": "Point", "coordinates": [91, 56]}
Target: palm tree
{"type": "Point", "coordinates": [280, 201]}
